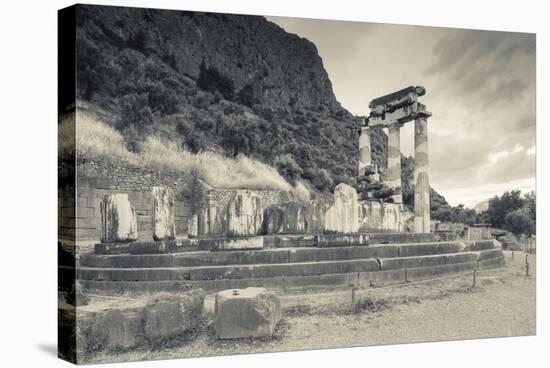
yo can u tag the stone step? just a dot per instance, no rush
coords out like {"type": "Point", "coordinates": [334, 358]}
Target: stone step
{"type": "Point", "coordinates": [227, 272]}
{"type": "Point", "coordinates": [279, 255]}
{"type": "Point", "coordinates": [292, 269]}
{"type": "Point", "coordinates": [265, 242]}
{"type": "Point", "coordinates": [356, 279]}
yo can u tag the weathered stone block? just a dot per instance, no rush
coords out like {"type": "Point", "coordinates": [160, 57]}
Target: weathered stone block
{"type": "Point", "coordinates": [211, 220]}
{"type": "Point", "coordinates": [295, 241]}
{"type": "Point", "coordinates": [315, 214]}
{"type": "Point", "coordinates": [118, 219]}
{"type": "Point", "coordinates": [250, 312]}
{"type": "Point", "coordinates": [244, 214]}
{"type": "Point", "coordinates": [339, 240]}
{"type": "Point", "coordinates": [374, 215]}
{"type": "Point", "coordinates": [164, 227]}
{"type": "Point", "coordinates": [285, 218]}
{"type": "Point", "coordinates": [343, 215]}
{"type": "Point", "coordinates": [171, 315]}
{"type": "Point", "coordinates": [193, 227]}
{"type": "Point", "coordinates": [113, 329]}
{"type": "Point", "coordinates": [256, 242]}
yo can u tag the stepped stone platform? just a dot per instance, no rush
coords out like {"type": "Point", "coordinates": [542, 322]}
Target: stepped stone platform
{"type": "Point", "coordinates": [282, 262]}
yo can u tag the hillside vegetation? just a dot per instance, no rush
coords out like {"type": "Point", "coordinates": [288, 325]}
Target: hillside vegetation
{"type": "Point", "coordinates": [95, 139]}
{"type": "Point", "coordinates": [220, 90]}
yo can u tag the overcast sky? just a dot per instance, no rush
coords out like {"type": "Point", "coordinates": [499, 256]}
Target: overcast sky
{"type": "Point", "coordinates": [480, 88]}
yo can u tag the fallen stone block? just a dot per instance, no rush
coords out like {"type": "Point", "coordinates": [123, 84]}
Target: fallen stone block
{"type": "Point", "coordinates": [110, 330]}
{"type": "Point", "coordinates": [131, 324]}
{"type": "Point", "coordinates": [171, 315]}
{"type": "Point", "coordinates": [118, 219]}
{"type": "Point", "coordinates": [245, 313]}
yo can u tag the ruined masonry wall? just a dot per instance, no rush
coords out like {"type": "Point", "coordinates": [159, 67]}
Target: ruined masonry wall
{"type": "Point", "coordinates": [100, 177]}
{"type": "Point", "coordinates": [96, 178]}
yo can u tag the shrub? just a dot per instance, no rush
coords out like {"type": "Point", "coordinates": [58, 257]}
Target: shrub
{"type": "Point", "coordinates": [246, 96]}
{"type": "Point", "coordinates": [287, 166]}
{"type": "Point", "coordinates": [320, 178]}
{"type": "Point", "coordinates": [211, 80]}
{"type": "Point", "coordinates": [135, 112]}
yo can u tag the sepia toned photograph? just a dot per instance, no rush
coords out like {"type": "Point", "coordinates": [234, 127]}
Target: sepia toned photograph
{"type": "Point", "coordinates": [235, 184]}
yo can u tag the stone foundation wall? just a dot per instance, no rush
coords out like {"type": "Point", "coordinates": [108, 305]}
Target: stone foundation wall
{"type": "Point", "coordinates": [100, 177]}
{"type": "Point", "coordinates": [219, 212]}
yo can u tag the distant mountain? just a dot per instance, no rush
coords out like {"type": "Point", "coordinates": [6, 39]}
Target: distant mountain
{"type": "Point", "coordinates": [482, 206]}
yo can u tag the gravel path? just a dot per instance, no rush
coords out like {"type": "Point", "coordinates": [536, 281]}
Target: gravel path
{"type": "Point", "coordinates": [502, 304]}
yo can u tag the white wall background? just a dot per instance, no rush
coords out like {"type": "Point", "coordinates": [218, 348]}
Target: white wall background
{"type": "Point", "coordinates": [28, 154]}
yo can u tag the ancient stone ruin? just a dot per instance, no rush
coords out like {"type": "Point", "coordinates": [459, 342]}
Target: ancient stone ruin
{"type": "Point", "coordinates": [245, 313]}
{"type": "Point", "coordinates": [118, 219]}
{"type": "Point", "coordinates": [164, 227]}
{"type": "Point", "coordinates": [374, 205]}
{"type": "Point", "coordinates": [392, 111]}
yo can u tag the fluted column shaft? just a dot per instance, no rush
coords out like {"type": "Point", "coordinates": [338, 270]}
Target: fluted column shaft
{"type": "Point", "coordinates": [365, 158]}
{"type": "Point", "coordinates": [421, 179]}
{"type": "Point", "coordinates": [393, 175]}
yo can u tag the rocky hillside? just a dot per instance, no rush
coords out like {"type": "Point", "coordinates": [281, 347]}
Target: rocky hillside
{"type": "Point", "coordinates": [215, 82]}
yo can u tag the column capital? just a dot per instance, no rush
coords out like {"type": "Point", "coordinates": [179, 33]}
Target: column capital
{"type": "Point", "coordinates": [395, 125]}
{"type": "Point", "coordinates": [422, 112]}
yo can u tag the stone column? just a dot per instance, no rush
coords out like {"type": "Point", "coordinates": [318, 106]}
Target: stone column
{"type": "Point", "coordinates": [421, 180]}
{"type": "Point", "coordinates": [393, 176]}
{"type": "Point", "coordinates": [364, 150]}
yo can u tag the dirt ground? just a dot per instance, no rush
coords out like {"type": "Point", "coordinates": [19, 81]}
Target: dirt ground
{"type": "Point", "coordinates": [502, 304]}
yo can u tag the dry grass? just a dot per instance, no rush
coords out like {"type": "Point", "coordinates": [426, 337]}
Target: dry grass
{"type": "Point", "coordinates": [213, 168]}
{"type": "Point", "coordinates": [95, 139]}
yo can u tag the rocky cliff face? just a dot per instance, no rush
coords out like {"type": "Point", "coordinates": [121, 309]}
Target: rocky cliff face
{"type": "Point", "coordinates": [282, 69]}
{"type": "Point", "coordinates": [230, 83]}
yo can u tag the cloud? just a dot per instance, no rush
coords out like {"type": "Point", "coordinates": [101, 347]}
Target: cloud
{"type": "Point", "coordinates": [480, 88]}
{"type": "Point", "coordinates": [488, 68]}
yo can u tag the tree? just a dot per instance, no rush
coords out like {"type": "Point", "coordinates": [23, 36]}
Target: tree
{"type": "Point", "coordinates": [530, 199]}
{"type": "Point", "coordinates": [499, 207]}
{"type": "Point", "coordinates": [519, 222]}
